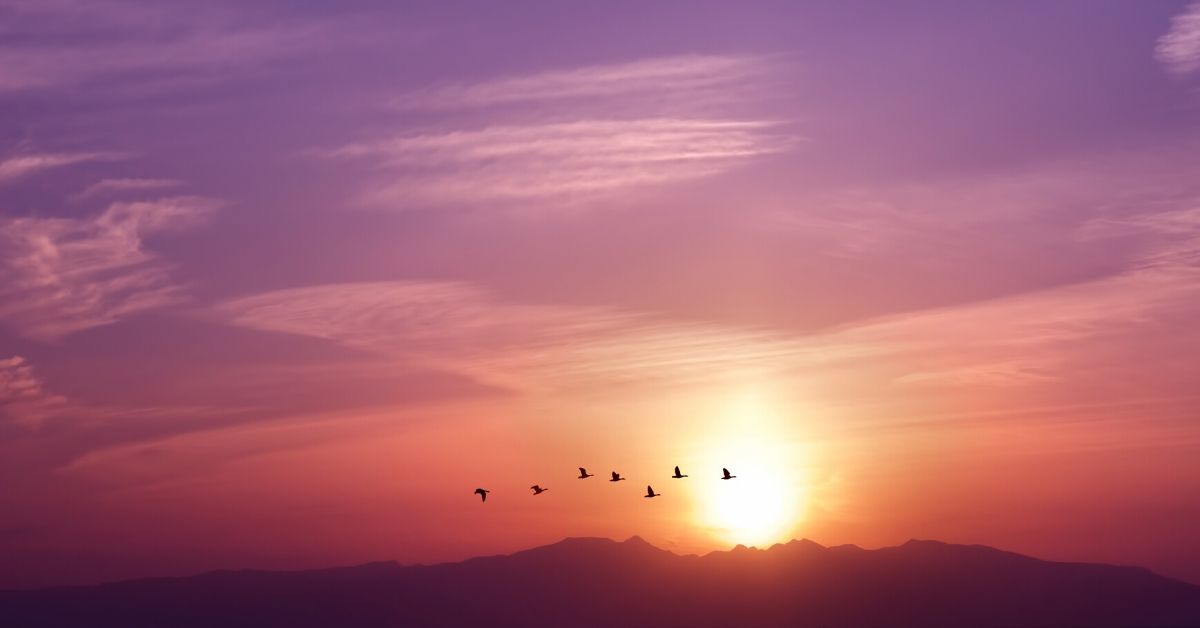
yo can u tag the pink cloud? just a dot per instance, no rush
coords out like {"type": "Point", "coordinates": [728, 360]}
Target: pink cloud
{"type": "Point", "coordinates": [696, 79]}
{"type": "Point", "coordinates": [1179, 48]}
{"type": "Point", "coordinates": [23, 399]}
{"type": "Point", "coordinates": [560, 161]}
{"type": "Point", "coordinates": [117, 186]}
{"type": "Point", "coordinates": [20, 166]}
{"type": "Point", "coordinates": [62, 275]}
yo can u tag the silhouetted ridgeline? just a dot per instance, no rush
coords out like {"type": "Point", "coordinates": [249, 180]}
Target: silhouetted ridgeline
{"type": "Point", "coordinates": [598, 582]}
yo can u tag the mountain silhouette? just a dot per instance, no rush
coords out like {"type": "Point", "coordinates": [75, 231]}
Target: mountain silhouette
{"type": "Point", "coordinates": [600, 582]}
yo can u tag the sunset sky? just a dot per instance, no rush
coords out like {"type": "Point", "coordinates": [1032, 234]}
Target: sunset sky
{"type": "Point", "coordinates": [282, 283]}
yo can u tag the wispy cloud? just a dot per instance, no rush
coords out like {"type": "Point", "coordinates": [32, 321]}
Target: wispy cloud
{"type": "Point", "coordinates": [599, 130]}
{"type": "Point", "coordinates": [23, 399]}
{"type": "Point", "coordinates": [1179, 48]}
{"type": "Point", "coordinates": [462, 327]}
{"type": "Point", "coordinates": [558, 160]}
{"type": "Point", "coordinates": [116, 186]}
{"type": "Point", "coordinates": [18, 167]}
{"type": "Point", "coordinates": [62, 275]}
{"type": "Point", "coordinates": [695, 77]}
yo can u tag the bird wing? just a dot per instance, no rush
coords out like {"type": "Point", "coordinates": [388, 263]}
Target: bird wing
{"type": "Point", "coordinates": [649, 490]}
{"type": "Point", "coordinates": [676, 470]}
{"type": "Point", "coordinates": [615, 475]}
{"type": "Point", "coordinates": [582, 472]}
{"type": "Point", "coordinates": [725, 471]}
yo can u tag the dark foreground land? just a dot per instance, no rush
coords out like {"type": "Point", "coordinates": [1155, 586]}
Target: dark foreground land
{"type": "Point", "coordinates": [598, 582]}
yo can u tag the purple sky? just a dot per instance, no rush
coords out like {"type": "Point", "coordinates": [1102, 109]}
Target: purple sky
{"type": "Point", "coordinates": [936, 265]}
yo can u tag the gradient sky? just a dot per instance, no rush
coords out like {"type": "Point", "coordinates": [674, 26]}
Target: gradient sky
{"type": "Point", "coordinates": [281, 284]}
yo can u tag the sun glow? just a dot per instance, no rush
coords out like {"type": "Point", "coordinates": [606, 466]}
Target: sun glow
{"type": "Point", "coordinates": [764, 503]}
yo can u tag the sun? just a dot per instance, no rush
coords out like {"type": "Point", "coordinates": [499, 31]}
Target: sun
{"type": "Point", "coordinates": [765, 502]}
{"type": "Point", "coordinates": [757, 508]}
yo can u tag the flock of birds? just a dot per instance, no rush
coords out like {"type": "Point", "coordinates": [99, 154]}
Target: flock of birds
{"type": "Point", "coordinates": [616, 477]}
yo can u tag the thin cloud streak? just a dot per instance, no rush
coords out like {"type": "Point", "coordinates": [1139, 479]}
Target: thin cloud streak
{"type": "Point", "coordinates": [602, 129]}
{"type": "Point", "coordinates": [463, 327]}
{"type": "Point", "coordinates": [19, 167]}
{"type": "Point", "coordinates": [117, 186]}
{"type": "Point", "coordinates": [698, 76]}
{"type": "Point", "coordinates": [559, 161]}
{"type": "Point", "coordinates": [62, 275]}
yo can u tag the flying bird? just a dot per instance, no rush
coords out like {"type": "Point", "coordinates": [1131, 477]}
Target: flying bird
{"type": "Point", "coordinates": [537, 490]}
{"type": "Point", "coordinates": [583, 474]}
{"type": "Point", "coordinates": [650, 492]}
{"type": "Point", "coordinates": [616, 477]}
{"type": "Point", "coordinates": [482, 493]}
{"type": "Point", "coordinates": [677, 473]}
{"type": "Point", "coordinates": [727, 476]}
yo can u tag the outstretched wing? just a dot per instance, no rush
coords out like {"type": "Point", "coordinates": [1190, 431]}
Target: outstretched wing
{"type": "Point", "coordinates": [676, 469]}
{"type": "Point", "coordinates": [615, 475]}
{"type": "Point", "coordinates": [582, 472]}
{"type": "Point", "coordinates": [725, 471]}
{"type": "Point", "coordinates": [649, 491]}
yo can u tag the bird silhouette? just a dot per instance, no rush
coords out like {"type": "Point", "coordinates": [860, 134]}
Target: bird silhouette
{"type": "Point", "coordinates": [727, 476]}
{"type": "Point", "coordinates": [678, 474]}
{"type": "Point", "coordinates": [482, 493]}
{"type": "Point", "coordinates": [650, 492]}
{"type": "Point", "coordinates": [537, 490]}
{"type": "Point", "coordinates": [583, 474]}
{"type": "Point", "coordinates": [616, 477]}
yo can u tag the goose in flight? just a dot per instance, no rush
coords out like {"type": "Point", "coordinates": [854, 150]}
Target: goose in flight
{"type": "Point", "coordinates": [677, 473]}
{"type": "Point", "coordinates": [616, 477]}
{"type": "Point", "coordinates": [583, 474]}
{"type": "Point", "coordinates": [727, 476]}
{"type": "Point", "coordinates": [482, 493]}
{"type": "Point", "coordinates": [650, 492]}
{"type": "Point", "coordinates": [537, 490]}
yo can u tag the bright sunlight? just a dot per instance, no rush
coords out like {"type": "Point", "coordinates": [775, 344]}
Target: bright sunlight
{"type": "Point", "coordinates": [764, 503]}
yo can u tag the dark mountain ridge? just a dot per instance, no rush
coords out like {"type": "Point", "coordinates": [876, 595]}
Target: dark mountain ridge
{"type": "Point", "coordinates": [600, 582]}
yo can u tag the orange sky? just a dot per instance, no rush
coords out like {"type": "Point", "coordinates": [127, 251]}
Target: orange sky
{"type": "Point", "coordinates": [278, 300]}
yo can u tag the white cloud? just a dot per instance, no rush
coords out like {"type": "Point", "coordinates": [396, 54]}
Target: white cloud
{"type": "Point", "coordinates": [1179, 48]}
{"type": "Point", "coordinates": [62, 275]}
